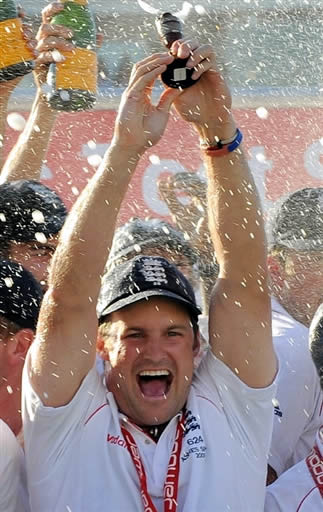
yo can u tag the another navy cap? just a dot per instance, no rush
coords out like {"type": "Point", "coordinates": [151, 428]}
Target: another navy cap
{"type": "Point", "coordinates": [20, 295]}
{"type": "Point", "coordinates": [139, 234]}
{"type": "Point", "coordinates": [141, 278]}
{"type": "Point", "coordinates": [28, 207]}
{"type": "Point", "coordinates": [296, 221]}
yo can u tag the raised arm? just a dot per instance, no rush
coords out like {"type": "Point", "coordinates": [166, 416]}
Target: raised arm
{"type": "Point", "coordinates": [240, 314]}
{"type": "Point", "coordinates": [7, 87]}
{"type": "Point", "coordinates": [26, 158]}
{"type": "Point", "coordinates": [64, 349]}
{"type": "Point", "coordinates": [192, 220]}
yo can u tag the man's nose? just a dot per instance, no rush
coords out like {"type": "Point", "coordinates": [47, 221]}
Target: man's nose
{"type": "Point", "coordinates": [153, 348]}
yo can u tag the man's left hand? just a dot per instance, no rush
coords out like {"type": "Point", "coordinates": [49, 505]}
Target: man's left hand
{"type": "Point", "coordinates": [207, 103]}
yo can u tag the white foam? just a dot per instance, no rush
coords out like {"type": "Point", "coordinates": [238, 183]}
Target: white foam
{"type": "Point", "coordinates": [94, 160]}
{"type": "Point", "coordinates": [57, 56]}
{"type": "Point", "coordinates": [41, 238]}
{"type": "Point", "coordinates": [154, 159]}
{"type": "Point", "coordinates": [262, 112]}
{"type": "Point", "coordinates": [16, 121]}
{"type": "Point", "coordinates": [38, 217]}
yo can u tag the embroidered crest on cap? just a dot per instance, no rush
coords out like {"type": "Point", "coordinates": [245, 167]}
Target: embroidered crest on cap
{"type": "Point", "coordinates": [153, 272]}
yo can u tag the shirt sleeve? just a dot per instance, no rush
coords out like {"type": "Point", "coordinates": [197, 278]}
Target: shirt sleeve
{"type": "Point", "coordinates": [294, 490]}
{"type": "Point", "coordinates": [248, 411]}
{"type": "Point", "coordinates": [55, 427]}
{"type": "Point", "coordinates": [9, 469]}
{"type": "Point", "coordinates": [298, 404]}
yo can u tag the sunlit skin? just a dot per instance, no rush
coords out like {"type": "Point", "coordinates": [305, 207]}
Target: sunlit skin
{"type": "Point", "coordinates": [150, 335]}
{"type": "Point", "coordinates": [8, 378]}
{"type": "Point", "coordinates": [35, 257]}
{"type": "Point", "coordinates": [299, 284]}
{"type": "Point", "coordinates": [3, 361]}
{"type": "Point", "coordinates": [13, 349]}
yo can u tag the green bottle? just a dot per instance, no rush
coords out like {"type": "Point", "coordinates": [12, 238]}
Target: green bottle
{"type": "Point", "coordinates": [15, 57]}
{"type": "Point", "coordinates": [73, 82]}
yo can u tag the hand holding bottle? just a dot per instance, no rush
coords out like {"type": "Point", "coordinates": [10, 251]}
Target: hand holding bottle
{"type": "Point", "coordinates": [73, 81]}
{"type": "Point", "coordinates": [207, 104]}
{"type": "Point", "coordinates": [177, 74]}
{"type": "Point", "coordinates": [53, 41]}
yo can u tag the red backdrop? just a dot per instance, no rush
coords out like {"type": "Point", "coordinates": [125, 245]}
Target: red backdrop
{"type": "Point", "coordinates": [285, 153]}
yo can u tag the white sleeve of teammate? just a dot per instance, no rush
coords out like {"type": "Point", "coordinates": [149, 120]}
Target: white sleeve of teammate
{"type": "Point", "coordinates": [10, 454]}
{"type": "Point", "coordinates": [298, 412]}
{"type": "Point", "coordinates": [295, 490]}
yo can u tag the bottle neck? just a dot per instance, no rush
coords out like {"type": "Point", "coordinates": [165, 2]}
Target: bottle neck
{"type": "Point", "coordinates": [8, 10]}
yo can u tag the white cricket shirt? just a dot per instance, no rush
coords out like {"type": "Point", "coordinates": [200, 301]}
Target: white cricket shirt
{"type": "Point", "coordinates": [295, 490]}
{"type": "Point", "coordinates": [12, 476]}
{"type": "Point", "coordinates": [77, 460]}
{"type": "Point", "coordinates": [299, 411]}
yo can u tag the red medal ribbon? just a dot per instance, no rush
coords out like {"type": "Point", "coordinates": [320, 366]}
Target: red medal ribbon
{"type": "Point", "coordinates": [172, 477]}
{"type": "Point", "coordinates": [314, 463]}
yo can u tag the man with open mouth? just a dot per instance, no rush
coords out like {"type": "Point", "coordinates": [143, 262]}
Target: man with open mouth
{"type": "Point", "coordinates": [155, 435]}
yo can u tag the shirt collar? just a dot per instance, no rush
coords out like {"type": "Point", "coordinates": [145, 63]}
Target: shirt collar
{"type": "Point", "coordinates": [319, 440]}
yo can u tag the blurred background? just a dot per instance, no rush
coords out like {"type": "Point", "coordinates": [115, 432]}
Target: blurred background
{"type": "Point", "coordinates": [271, 53]}
{"type": "Point", "coordinates": [265, 47]}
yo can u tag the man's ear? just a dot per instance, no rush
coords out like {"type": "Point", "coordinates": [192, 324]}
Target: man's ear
{"type": "Point", "coordinates": [101, 348]}
{"type": "Point", "coordinates": [19, 345]}
{"type": "Point", "coordinates": [197, 344]}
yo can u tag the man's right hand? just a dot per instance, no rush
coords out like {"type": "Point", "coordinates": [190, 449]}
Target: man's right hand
{"type": "Point", "coordinates": [51, 37]}
{"type": "Point", "coordinates": [140, 124]}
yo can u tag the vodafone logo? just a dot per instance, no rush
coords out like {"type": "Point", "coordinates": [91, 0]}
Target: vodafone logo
{"type": "Point", "coordinates": [116, 440]}
{"type": "Point", "coordinates": [314, 463]}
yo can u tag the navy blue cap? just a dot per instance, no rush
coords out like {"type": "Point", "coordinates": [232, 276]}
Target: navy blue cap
{"type": "Point", "coordinates": [20, 295]}
{"type": "Point", "coordinates": [141, 278]}
{"type": "Point", "coordinates": [139, 234]}
{"type": "Point", "coordinates": [28, 207]}
{"type": "Point", "coordinates": [296, 221]}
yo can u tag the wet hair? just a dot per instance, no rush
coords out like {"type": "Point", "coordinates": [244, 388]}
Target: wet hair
{"type": "Point", "coordinates": [7, 327]}
{"type": "Point", "coordinates": [316, 342]}
{"type": "Point", "coordinates": [5, 247]}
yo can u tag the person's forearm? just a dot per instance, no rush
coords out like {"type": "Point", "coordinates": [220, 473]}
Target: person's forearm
{"type": "Point", "coordinates": [28, 154]}
{"type": "Point", "coordinates": [87, 234]}
{"type": "Point", "coordinates": [3, 110]}
{"type": "Point", "coordinates": [67, 327]}
{"type": "Point", "coordinates": [235, 227]}
{"type": "Point", "coordinates": [5, 91]}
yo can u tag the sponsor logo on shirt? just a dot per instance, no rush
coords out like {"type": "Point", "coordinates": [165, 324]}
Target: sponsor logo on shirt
{"type": "Point", "coordinates": [314, 463]}
{"type": "Point", "coordinates": [116, 440]}
{"type": "Point", "coordinates": [194, 441]}
{"type": "Point", "coordinates": [191, 424]}
{"type": "Point", "coordinates": [278, 411]}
